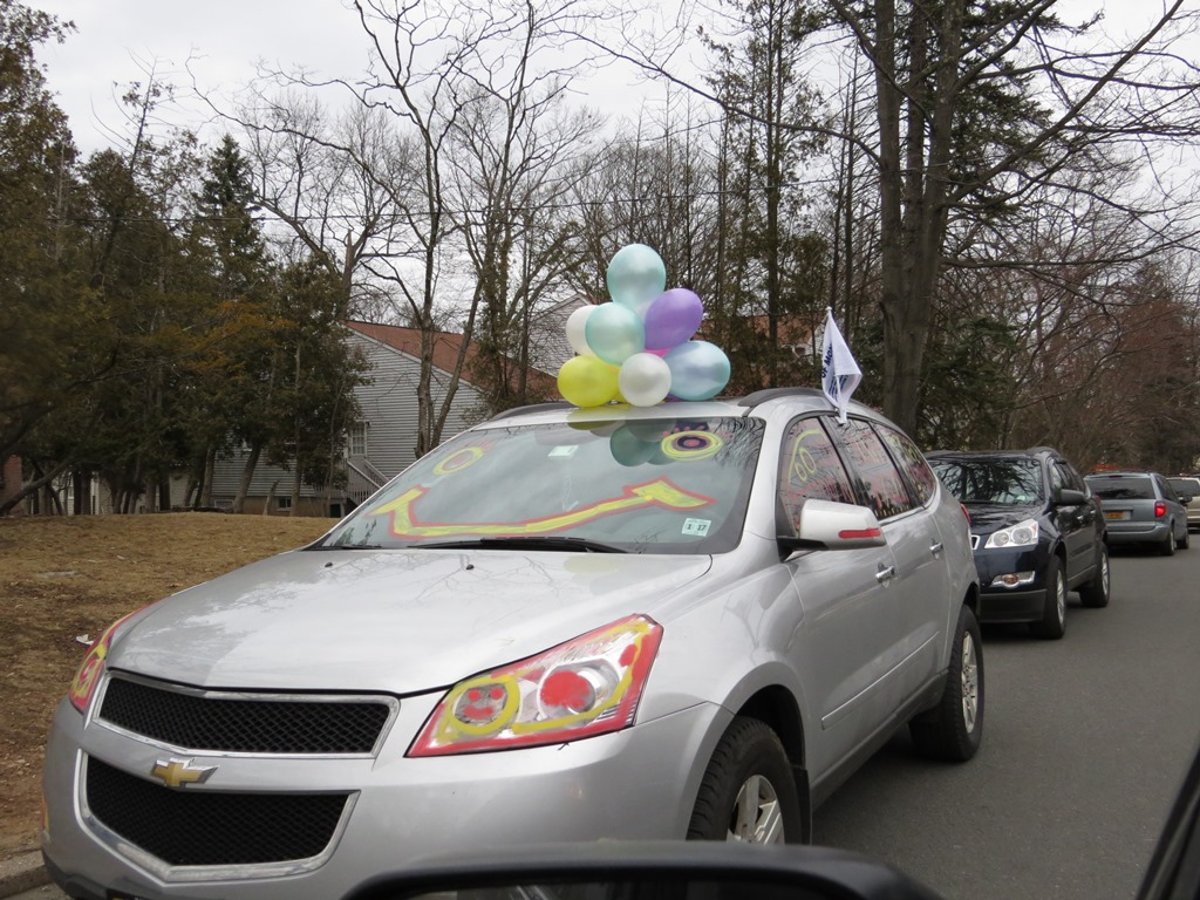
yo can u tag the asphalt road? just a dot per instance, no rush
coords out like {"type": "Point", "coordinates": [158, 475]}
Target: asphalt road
{"type": "Point", "coordinates": [1086, 741]}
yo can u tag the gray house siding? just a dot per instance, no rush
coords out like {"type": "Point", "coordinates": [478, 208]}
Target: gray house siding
{"type": "Point", "coordinates": [389, 405]}
{"type": "Point", "coordinates": [388, 401]}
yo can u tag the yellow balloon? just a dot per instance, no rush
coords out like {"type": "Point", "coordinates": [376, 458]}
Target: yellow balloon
{"type": "Point", "coordinates": [588, 381]}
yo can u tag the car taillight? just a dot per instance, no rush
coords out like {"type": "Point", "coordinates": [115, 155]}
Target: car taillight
{"type": "Point", "coordinates": [587, 686]}
{"type": "Point", "coordinates": [1160, 509]}
{"type": "Point", "coordinates": [83, 685]}
{"type": "Point", "coordinates": [966, 513]}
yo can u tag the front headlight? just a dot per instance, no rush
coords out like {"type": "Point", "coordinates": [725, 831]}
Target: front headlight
{"type": "Point", "coordinates": [1023, 534]}
{"type": "Point", "coordinates": [92, 667]}
{"type": "Point", "coordinates": [587, 686]}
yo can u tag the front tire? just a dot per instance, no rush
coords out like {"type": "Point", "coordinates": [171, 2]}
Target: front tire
{"type": "Point", "coordinates": [1053, 624]}
{"type": "Point", "coordinates": [1096, 592]}
{"type": "Point", "coordinates": [954, 728]}
{"type": "Point", "coordinates": [748, 792]}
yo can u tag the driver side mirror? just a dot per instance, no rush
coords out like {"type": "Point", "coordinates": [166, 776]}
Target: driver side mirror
{"type": "Point", "coordinates": [1069, 497]}
{"type": "Point", "coordinates": [833, 526]}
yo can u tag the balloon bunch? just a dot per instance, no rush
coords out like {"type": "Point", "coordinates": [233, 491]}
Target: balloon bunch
{"type": "Point", "coordinates": [638, 346]}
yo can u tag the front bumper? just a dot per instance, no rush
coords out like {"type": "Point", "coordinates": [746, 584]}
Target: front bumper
{"type": "Point", "coordinates": [626, 785]}
{"type": "Point", "coordinates": [1024, 603]}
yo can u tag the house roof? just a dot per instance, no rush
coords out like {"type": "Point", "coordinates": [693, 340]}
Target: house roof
{"type": "Point", "coordinates": [446, 347]}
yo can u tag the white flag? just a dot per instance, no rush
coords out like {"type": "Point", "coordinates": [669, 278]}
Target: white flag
{"type": "Point", "coordinates": [840, 374]}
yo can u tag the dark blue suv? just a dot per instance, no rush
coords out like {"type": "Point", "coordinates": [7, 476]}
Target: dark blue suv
{"type": "Point", "coordinates": [1037, 532]}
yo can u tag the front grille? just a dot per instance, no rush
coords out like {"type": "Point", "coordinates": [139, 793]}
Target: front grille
{"type": "Point", "coordinates": [210, 828]}
{"type": "Point", "coordinates": [200, 722]}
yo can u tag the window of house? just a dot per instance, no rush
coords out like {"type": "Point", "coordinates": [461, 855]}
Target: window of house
{"type": "Point", "coordinates": [357, 440]}
{"type": "Point", "coordinates": [283, 502]}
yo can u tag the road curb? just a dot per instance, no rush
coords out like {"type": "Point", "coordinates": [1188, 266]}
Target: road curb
{"type": "Point", "coordinates": [22, 872]}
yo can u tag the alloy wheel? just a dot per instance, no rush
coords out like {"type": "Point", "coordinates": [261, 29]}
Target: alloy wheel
{"type": "Point", "coordinates": [756, 817]}
{"type": "Point", "coordinates": [970, 682]}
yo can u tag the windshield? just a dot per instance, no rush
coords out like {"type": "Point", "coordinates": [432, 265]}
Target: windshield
{"type": "Point", "coordinates": [1006, 482]}
{"type": "Point", "coordinates": [644, 486]}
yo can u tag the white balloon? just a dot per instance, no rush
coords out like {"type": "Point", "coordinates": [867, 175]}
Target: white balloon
{"type": "Point", "coordinates": [645, 379]}
{"type": "Point", "coordinates": [577, 330]}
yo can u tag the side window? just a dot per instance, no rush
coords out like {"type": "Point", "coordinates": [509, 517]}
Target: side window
{"type": "Point", "coordinates": [810, 468]}
{"type": "Point", "coordinates": [876, 476]}
{"type": "Point", "coordinates": [1074, 478]}
{"type": "Point", "coordinates": [1167, 490]}
{"type": "Point", "coordinates": [1056, 479]}
{"type": "Point", "coordinates": [1062, 475]}
{"type": "Point", "coordinates": [910, 458]}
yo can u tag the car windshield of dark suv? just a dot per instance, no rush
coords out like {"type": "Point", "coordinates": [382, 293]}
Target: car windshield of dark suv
{"type": "Point", "coordinates": [666, 485]}
{"type": "Point", "coordinates": [1001, 482]}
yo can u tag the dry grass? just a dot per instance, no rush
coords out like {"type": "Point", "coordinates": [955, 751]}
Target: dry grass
{"type": "Point", "coordinates": [63, 577]}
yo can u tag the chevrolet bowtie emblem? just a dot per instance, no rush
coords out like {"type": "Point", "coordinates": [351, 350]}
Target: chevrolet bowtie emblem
{"type": "Point", "coordinates": [175, 773]}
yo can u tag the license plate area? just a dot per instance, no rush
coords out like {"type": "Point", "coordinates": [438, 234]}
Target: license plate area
{"type": "Point", "coordinates": [1116, 515]}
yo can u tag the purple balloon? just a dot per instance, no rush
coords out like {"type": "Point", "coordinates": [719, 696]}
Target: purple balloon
{"type": "Point", "coordinates": [672, 318]}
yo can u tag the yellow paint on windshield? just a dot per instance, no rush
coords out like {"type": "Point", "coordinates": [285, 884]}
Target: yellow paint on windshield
{"type": "Point", "coordinates": [660, 492]}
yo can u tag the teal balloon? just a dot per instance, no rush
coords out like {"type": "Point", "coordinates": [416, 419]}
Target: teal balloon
{"type": "Point", "coordinates": [630, 450]}
{"type": "Point", "coordinates": [615, 333]}
{"type": "Point", "coordinates": [635, 277]}
{"type": "Point", "coordinates": [699, 370]}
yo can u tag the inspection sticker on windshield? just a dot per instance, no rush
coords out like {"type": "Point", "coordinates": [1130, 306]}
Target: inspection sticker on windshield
{"type": "Point", "coordinates": [696, 527]}
{"type": "Point", "coordinates": [563, 450]}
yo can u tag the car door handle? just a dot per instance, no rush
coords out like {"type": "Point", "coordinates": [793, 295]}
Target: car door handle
{"type": "Point", "coordinates": [885, 573]}
{"type": "Point", "coordinates": [935, 549]}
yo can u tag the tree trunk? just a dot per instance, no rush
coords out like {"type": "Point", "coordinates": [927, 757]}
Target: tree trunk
{"type": "Point", "coordinates": [295, 491]}
{"type": "Point", "coordinates": [31, 489]}
{"type": "Point", "coordinates": [239, 501]}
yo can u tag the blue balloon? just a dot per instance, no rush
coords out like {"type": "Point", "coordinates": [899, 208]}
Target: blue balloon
{"type": "Point", "coordinates": [615, 333]}
{"type": "Point", "coordinates": [699, 370]}
{"type": "Point", "coordinates": [635, 276]}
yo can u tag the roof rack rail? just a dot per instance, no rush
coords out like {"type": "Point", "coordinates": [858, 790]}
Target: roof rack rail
{"type": "Point", "coordinates": [766, 394]}
{"type": "Point", "coordinates": [532, 407]}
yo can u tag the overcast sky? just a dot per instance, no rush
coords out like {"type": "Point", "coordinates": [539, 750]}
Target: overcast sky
{"type": "Point", "coordinates": [114, 39]}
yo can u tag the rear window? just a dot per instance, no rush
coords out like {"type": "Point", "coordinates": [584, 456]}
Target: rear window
{"type": "Point", "coordinates": [1122, 487]}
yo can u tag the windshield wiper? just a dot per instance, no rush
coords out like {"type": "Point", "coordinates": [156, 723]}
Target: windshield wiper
{"type": "Point", "coordinates": [348, 547]}
{"type": "Point", "coordinates": [526, 542]}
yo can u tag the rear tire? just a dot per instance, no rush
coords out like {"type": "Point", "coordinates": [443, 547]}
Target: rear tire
{"type": "Point", "coordinates": [953, 729]}
{"type": "Point", "coordinates": [1053, 624]}
{"type": "Point", "coordinates": [1167, 547]}
{"type": "Point", "coordinates": [1096, 592]}
{"type": "Point", "coordinates": [748, 792]}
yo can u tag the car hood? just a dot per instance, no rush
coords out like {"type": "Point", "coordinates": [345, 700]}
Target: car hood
{"type": "Point", "coordinates": [986, 518]}
{"type": "Point", "coordinates": [401, 621]}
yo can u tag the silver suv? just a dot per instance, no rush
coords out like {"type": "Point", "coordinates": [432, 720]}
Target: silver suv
{"type": "Point", "coordinates": [692, 620]}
